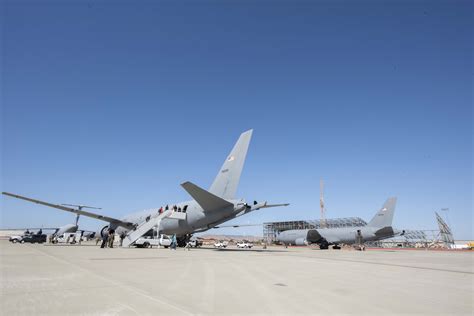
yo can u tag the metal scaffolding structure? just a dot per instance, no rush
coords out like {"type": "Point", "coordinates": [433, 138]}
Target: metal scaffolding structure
{"type": "Point", "coordinates": [272, 229]}
{"type": "Point", "coordinates": [410, 239]}
{"type": "Point", "coordinates": [445, 234]}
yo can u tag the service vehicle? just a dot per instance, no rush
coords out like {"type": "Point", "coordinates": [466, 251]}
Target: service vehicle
{"type": "Point", "coordinates": [15, 239]}
{"type": "Point", "coordinates": [195, 243]}
{"type": "Point", "coordinates": [36, 238]}
{"type": "Point", "coordinates": [149, 241]}
{"type": "Point", "coordinates": [244, 244]}
{"type": "Point", "coordinates": [221, 244]}
{"type": "Point", "coordinates": [70, 238]}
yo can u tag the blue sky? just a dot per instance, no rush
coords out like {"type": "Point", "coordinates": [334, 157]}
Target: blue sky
{"type": "Point", "coordinates": [115, 105]}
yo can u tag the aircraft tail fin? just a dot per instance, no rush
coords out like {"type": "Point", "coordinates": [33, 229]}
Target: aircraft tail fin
{"type": "Point", "coordinates": [384, 217]}
{"type": "Point", "coordinates": [208, 201]}
{"type": "Point", "coordinates": [226, 182]}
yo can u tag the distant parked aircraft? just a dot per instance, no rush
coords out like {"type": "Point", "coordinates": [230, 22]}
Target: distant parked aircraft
{"type": "Point", "coordinates": [380, 227]}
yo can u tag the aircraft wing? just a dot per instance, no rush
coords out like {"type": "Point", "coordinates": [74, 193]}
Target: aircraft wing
{"type": "Point", "coordinates": [29, 228]}
{"type": "Point", "coordinates": [323, 233]}
{"type": "Point", "coordinates": [75, 211]}
{"type": "Point", "coordinates": [236, 225]}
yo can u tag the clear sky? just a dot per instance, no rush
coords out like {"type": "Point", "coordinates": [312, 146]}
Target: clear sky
{"type": "Point", "coordinates": [114, 104]}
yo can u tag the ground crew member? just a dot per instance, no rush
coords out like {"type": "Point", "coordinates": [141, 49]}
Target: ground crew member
{"type": "Point", "coordinates": [188, 246]}
{"type": "Point", "coordinates": [105, 237]}
{"type": "Point", "coordinates": [122, 237]}
{"type": "Point", "coordinates": [80, 236]}
{"type": "Point", "coordinates": [173, 242]}
{"type": "Point", "coordinates": [111, 238]}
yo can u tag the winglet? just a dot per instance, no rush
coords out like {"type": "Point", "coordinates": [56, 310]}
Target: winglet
{"type": "Point", "coordinates": [208, 201]}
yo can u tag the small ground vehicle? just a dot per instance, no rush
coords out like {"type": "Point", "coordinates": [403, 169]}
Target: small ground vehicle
{"type": "Point", "coordinates": [71, 238]}
{"type": "Point", "coordinates": [15, 239]}
{"type": "Point", "coordinates": [195, 243]}
{"type": "Point", "coordinates": [149, 241]}
{"type": "Point", "coordinates": [221, 244]}
{"type": "Point", "coordinates": [244, 244]}
{"type": "Point", "coordinates": [36, 238]}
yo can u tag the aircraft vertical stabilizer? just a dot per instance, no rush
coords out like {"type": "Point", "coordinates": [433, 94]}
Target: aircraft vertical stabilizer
{"type": "Point", "coordinates": [384, 217]}
{"type": "Point", "coordinates": [226, 182]}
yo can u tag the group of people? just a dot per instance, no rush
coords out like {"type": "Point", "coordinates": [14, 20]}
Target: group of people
{"type": "Point", "coordinates": [174, 208]}
{"type": "Point", "coordinates": [108, 239]}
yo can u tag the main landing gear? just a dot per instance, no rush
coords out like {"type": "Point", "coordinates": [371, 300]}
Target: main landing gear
{"type": "Point", "coordinates": [324, 245]}
{"type": "Point", "coordinates": [182, 241]}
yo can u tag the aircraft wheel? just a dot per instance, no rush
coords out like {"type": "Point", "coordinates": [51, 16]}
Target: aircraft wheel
{"type": "Point", "coordinates": [324, 246]}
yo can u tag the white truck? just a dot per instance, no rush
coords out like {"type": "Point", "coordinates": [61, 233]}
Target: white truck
{"type": "Point", "coordinates": [15, 239]}
{"type": "Point", "coordinates": [244, 244]}
{"type": "Point", "coordinates": [221, 244]}
{"type": "Point", "coordinates": [195, 243]}
{"type": "Point", "coordinates": [149, 241]}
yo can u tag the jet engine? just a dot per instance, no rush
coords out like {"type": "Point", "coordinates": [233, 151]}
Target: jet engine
{"type": "Point", "coordinates": [301, 242]}
{"type": "Point", "coordinates": [104, 230]}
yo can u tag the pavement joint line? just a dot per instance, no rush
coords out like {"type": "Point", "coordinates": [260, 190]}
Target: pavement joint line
{"type": "Point", "coordinates": [132, 289]}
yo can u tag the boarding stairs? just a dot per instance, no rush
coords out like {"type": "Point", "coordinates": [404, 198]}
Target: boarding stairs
{"type": "Point", "coordinates": [154, 221]}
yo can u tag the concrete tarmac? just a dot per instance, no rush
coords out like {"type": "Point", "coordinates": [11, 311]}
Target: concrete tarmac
{"type": "Point", "coordinates": [87, 280]}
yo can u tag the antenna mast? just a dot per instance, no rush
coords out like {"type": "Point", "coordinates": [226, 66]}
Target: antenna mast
{"type": "Point", "coordinates": [321, 204]}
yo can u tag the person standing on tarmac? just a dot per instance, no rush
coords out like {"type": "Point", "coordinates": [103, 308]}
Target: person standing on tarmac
{"type": "Point", "coordinates": [105, 238]}
{"type": "Point", "coordinates": [122, 237]}
{"type": "Point", "coordinates": [173, 242]}
{"type": "Point", "coordinates": [111, 238]}
{"type": "Point", "coordinates": [80, 237]}
{"type": "Point", "coordinates": [188, 246]}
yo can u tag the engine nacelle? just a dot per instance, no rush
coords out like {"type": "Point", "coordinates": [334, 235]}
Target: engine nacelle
{"type": "Point", "coordinates": [104, 231]}
{"type": "Point", "coordinates": [301, 242]}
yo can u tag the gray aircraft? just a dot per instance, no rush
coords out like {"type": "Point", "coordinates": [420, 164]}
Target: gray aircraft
{"type": "Point", "coordinates": [380, 227]}
{"type": "Point", "coordinates": [206, 210]}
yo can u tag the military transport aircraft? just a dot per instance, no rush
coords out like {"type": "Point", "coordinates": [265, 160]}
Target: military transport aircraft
{"type": "Point", "coordinates": [380, 227]}
{"type": "Point", "coordinates": [59, 231]}
{"type": "Point", "coordinates": [206, 210]}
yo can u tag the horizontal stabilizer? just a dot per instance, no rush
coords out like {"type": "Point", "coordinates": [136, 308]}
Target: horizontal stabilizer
{"type": "Point", "coordinates": [265, 205]}
{"type": "Point", "coordinates": [208, 201]}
